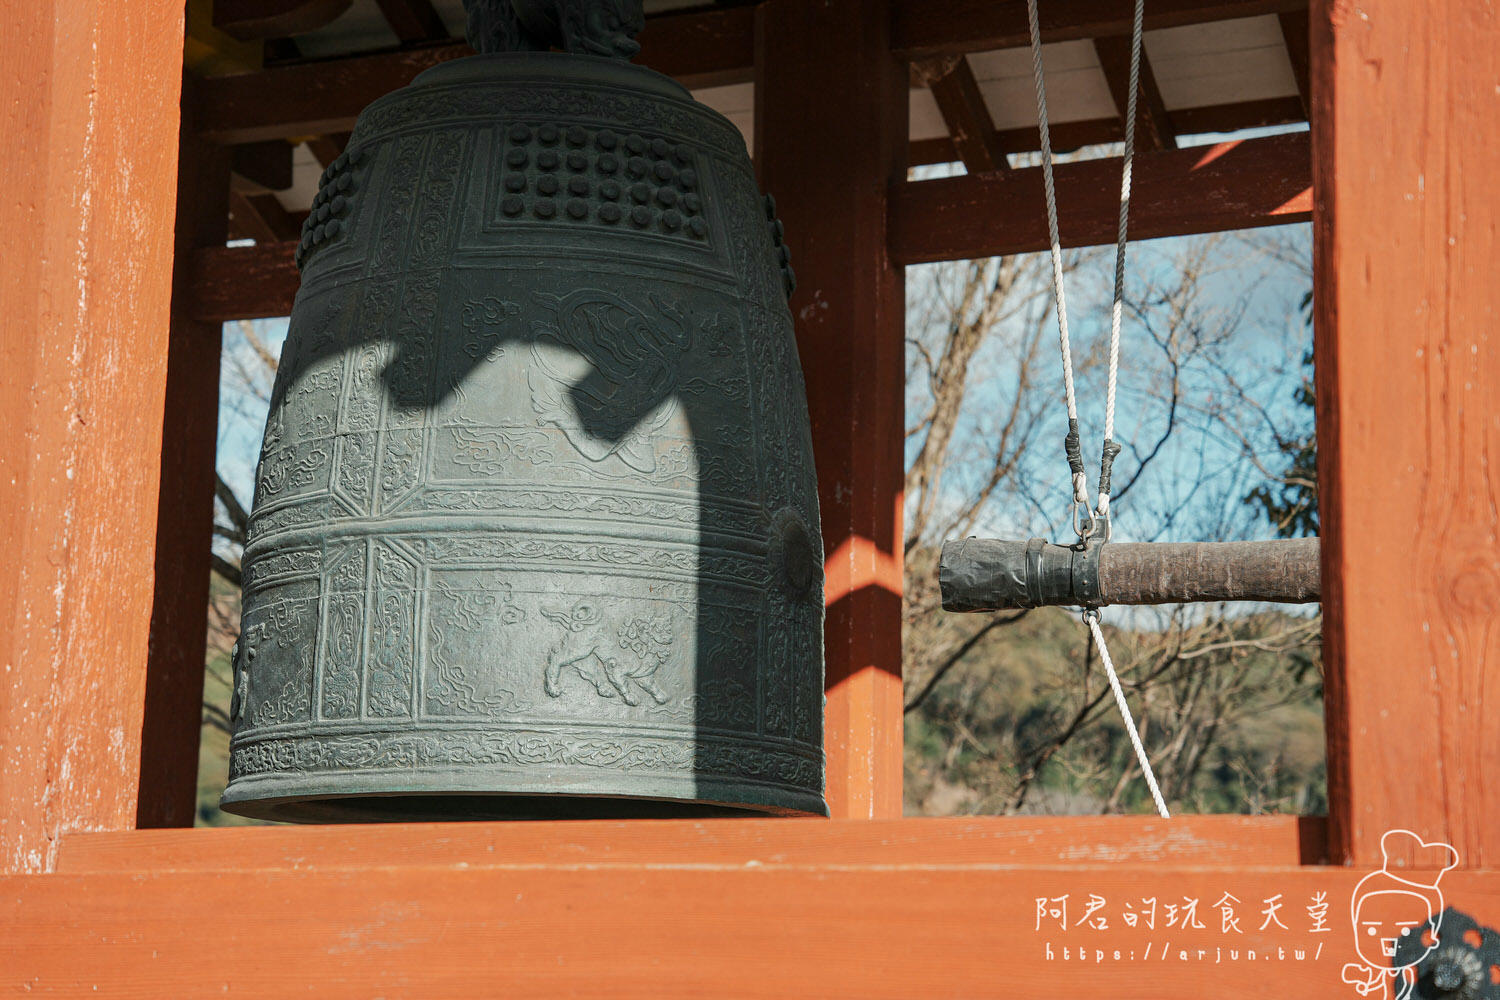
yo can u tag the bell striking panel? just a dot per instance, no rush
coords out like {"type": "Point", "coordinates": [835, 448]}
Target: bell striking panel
{"type": "Point", "coordinates": [535, 529]}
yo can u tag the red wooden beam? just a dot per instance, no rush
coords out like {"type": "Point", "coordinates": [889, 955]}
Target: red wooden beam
{"type": "Point", "coordinates": [1294, 33]}
{"type": "Point", "coordinates": [962, 106]}
{"type": "Point", "coordinates": [185, 505]}
{"type": "Point", "coordinates": [699, 49]}
{"type": "Point", "coordinates": [1406, 237]}
{"type": "Point", "coordinates": [830, 126]}
{"type": "Point", "coordinates": [1068, 136]}
{"type": "Point", "coordinates": [1221, 841]}
{"type": "Point", "coordinates": [254, 282]}
{"type": "Point", "coordinates": [1201, 189]}
{"type": "Point", "coordinates": [262, 218]}
{"type": "Point", "coordinates": [1240, 115]}
{"type": "Point", "coordinates": [747, 923]}
{"type": "Point", "coordinates": [1153, 126]}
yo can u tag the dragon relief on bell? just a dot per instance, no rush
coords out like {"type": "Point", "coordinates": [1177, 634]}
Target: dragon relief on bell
{"type": "Point", "coordinates": [619, 395]}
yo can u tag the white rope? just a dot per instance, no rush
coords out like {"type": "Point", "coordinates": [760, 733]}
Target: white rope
{"type": "Point", "coordinates": [1116, 308]}
{"type": "Point", "coordinates": [1135, 737]}
{"type": "Point", "coordinates": [1137, 34]}
{"type": "Point", "coordinates": [1080, 483]}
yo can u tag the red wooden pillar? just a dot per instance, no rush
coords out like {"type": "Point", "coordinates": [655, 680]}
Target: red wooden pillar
{"type": "Point", "coordinates": [174, 688]}
{"type": "Point", "coordinates": [830, 136]}
{"type": "Point", "coordinates": [1406, 135]}
{"type": "Point", "coordinates": [88, 104]}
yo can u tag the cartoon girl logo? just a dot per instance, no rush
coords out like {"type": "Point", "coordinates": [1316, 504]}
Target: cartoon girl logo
{"type": "Point", "coordinates": [1393, 904]}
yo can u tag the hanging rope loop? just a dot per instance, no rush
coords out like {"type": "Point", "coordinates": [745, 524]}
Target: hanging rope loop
{"type": "Point", "coordinates": [1094, 526]}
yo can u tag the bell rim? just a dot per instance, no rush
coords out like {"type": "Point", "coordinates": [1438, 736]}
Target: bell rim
{"type": "Point", "coordinates": [330, 799]}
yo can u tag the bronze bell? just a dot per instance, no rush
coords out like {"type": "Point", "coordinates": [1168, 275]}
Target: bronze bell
{"type": "Point", "coordinates": [535, 528]}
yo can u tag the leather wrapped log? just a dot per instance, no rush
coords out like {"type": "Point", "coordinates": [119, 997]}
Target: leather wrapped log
{"type": "Point", "coordinates": [987, 574]}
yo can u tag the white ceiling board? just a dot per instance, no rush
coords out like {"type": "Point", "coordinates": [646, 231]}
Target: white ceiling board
{"type": "Point", "coordinates": [735, 102]}
{"type": "Point", "coordinates": [1221, 63]}
{"type": "Point", "coordinates": [305, 173]}
{"type": "Point", "coordinates": [925, 121]}
{"type": "Point", "coordinates": [1076, 88]}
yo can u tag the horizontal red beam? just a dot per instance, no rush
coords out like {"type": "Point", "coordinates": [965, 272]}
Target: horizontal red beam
{"type": "Point", "coordinates": [1201, 189]}
{"type": "Point", "coordinates": [701, 49]}
{"type": "Point", "coordinates": [248, 282]}
{"type": "Point", "coordinates": [1241, 841]}
{"type": "Point", "coordinates": [751, 922]}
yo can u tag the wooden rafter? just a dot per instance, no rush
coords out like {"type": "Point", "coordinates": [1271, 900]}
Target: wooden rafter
{"type": "Point", "coordinates": [1294, 32]}
{"type": "Point", "coordinates": [326, 148]}
{"type": "Point", "coordinates": [1153, 126]}
{"type": "Point", "coordinates": [978, 145]}
{"type": "Point", "coordinates": [262, 218]}
{"type": "Point", "coordinates": [1067, 136]}
{"type": "Point", "coordinates": [266, 165]}
{"type": "Point", "coordinates": [413, 20]}
{"type": "Point", "coordinates": [1234, 185]}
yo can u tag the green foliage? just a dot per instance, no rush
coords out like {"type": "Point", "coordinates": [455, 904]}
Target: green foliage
{"type": "Point", "coordinates": [1235, 725]}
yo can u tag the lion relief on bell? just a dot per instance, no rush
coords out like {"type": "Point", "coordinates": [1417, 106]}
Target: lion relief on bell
{"type": "Point", "coordinates": [584, 27]}
{"type": "Point", "coordinates": [622, 662]}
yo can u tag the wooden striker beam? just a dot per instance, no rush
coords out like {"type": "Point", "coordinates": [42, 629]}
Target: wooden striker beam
{"type": "Point", "coordinates": [985, 574]}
